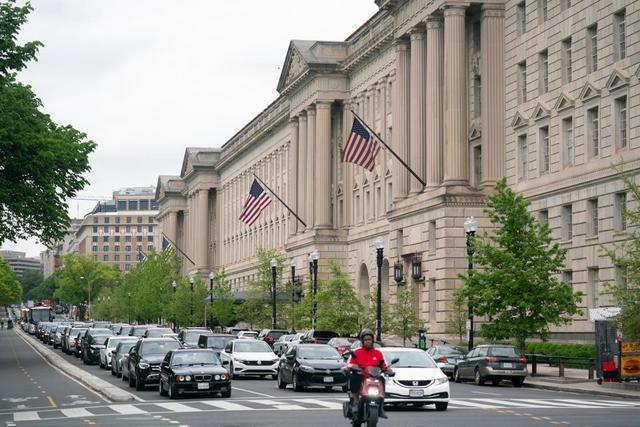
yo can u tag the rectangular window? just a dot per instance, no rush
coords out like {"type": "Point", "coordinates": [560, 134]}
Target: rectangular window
{"type": "Point", "coordinates": [116, 229]}
{"type": "Point", "coordinates": [127, 267]}
{"type": "Point", "coordinates": [621, 122]}
{"type": "Point", "coordinates": [477, 165]}
{"type": "Point", "coordinates": [567, 70]}
{"type": "Point", "coordinates": [116, 248]}
{"type": "Point", "coordinates": [150, 220]}
{"type": "Point", "coordinates": [592, 48]}
{"type": "Point", "coordinates": [522, 18]}
{"type": "Point", "coordinates": [122, 205]}
{"type": "Point", "coordinates": [144, 205]}
{"type": "Point", "coordinates": [95, 229]}
{"type": "Point", "coordinates": [620, 35]}
{"type": "Point", "coordinates": [621, 276]}
{"type": "Point", "coordinates": [543, 217]}
{"type": "Point", "coordinates": [543, 11]}
{"type": "Point", "coordinates": [389, 196]}
{"type": "Point", "coordinates": [127, 248]}
{"type": "Point", "coordinates": [106, 220]}
{"type": "Point", "coordinates": [432, 236]}
{"type": "Point", "coordinates": [522, 81]}
{"type": "Point", "coordinates": [94, 249]}
{"type": "Point", "coordinates": [523, 151]}
{"type": "Point", "coordinates": [567, 222]}
{"type": "Point", "coordinates": [567, 277]}
{"type": "Point", "coordinates": [565, 4]}
{"type": "Point", "coordinates": [433, 307]}
{"type": "Point", "coordinates": [94, 238]}
{"type": "Point", "coordinates": [128, 220]}
{"type": "Point", "coordinates": [139, 220]}
{"type": "Point", "coordinates": [116, 258]}
{"type": "Point", "coordinates": [149, 248]}
{"type": "Point", "coordinates": [105, 228]}
{"type": "Point", "coordinates": [116, 239]}
{"type": "Point", "coordinates": [105, 248]}
{"type": "Point", "coordinates": [117, 220]}
{"type": "Point", "coordinates": [567, 132]}
{"type": "Point", "coordinates": [620, 204]}
{"type": "Point", "coordinates": [367, 205]}
{"type": "Point", "coordinates": [133, 205]}
{"type": "Point", "coordinates": [95, 219]}
{"type": "Point", "coordinates": [105, 238]}
{"type": "Point", "coordinates": [543, 78]}
{"type": "Point", "coordinates": [593, 131]}
{"type": "Point", "coordinates": [477, 96]}
{"type": "Point", "coordinates": [127, 229]}
{"type": "Point", "coordinates": [138, 238]}
{"type": "Point", "coordinates": [593, 276]}
{"type": "Point", "coordinates": [592, 217]}
{"type": "Point", "coordinates": [149, 238]}
{"type": "Point", "coordinates": [105, 257]}
{"type": "Point", "coordinates": [544, 149]}
{"type": "Point", "coordinates": [139, 228]}
{"type": "Point", "coordinates": [127, 238]}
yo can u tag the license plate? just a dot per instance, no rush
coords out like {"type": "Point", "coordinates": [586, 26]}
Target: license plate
{"type": "Point", "coordinates": [452, 361]}
{"type": "Point", "coordinates": [203, 386]}
{"type": "Point", "coordinates": [416, 393]}
{"type": "Point", "coordinates": [507, 365]}
{"type": "Point", "coordinates": [328, 379]}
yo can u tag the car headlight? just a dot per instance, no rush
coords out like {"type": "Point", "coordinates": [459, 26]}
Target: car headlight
{"type": "Point", "coordinates": [306, 368]}
{"type": "Point", "coordinates": [275, 361]}
{"type": "Point", "coordinates": [143, 365]}
{"type": "Point", "coordinates": [179, 378]}
{"type": "Point", "coordinates": [217, 377]}
{"type": "Point", "coordinates": [441, 380]}
{"type": "Point", "coordinates": [241, 361]}
{"type": "Point", "coordinates": [187, 378]}
{"type": "Point", "coordinates": [373, 391]}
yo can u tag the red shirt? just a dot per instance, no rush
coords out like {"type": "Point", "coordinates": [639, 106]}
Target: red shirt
{"type": "Point", "coordinates": [366, 358]}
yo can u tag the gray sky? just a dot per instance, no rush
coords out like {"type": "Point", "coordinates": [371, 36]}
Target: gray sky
{"type": "Point", "coordinates": [146, 79]}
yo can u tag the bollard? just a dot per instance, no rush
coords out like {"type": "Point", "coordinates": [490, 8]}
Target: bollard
{"type": "Point", "coordinates": [561, 365]}
{"type": "Point", "coordinates": [591, 369]}
{"type": "Point", "coordinates": [422, 339]}
{"type": "Point", "coordinates": [534, 365]}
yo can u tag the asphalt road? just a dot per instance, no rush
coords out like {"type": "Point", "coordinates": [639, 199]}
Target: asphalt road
{"type": "Point", "coordinates": [258, 402]}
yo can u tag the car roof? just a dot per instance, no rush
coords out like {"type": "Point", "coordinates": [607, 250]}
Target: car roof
{"type": "Point", "coordinates": [403, 349]}
{"type": "Point", "coordinates": [159, 339]}
{"type": "Point", "coordinates": [191, 350]}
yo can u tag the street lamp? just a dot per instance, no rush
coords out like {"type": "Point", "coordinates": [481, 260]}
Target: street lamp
{"type": "Point", "coordinates": [89, 301]}
{"type": "Point", "coordinates": [191, 280]}
{"type": "Point", "coordinates": [398, 273]}
{"type": "Point", "coordinates": [129, 295]}
{"type": "Point", "coordinates": [470, 230]}
{"type": "Point", "coordinates": [274, 264]}
{"type": "Point", "coordinates": [173, 286]}
{"type": "Point", "coordinates": [293, 292]}
{"type": "Point", "coordinates": [211, 276]}
{"type": "Point", "coordinates": [379, 242]}
{"type": "Point", "coordinates": [314, 257]}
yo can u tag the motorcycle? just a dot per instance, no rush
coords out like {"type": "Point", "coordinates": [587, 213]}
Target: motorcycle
{"type": "Point", "coordinates": [370, 402]}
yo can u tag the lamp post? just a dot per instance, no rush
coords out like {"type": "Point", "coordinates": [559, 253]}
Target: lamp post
{"type": "Point", "coordinates": [293, 292]}
{"type": "Point", "coordinates": [173, 286]}
{"type": "Point", "coordinates": [470, 230]}
{"type": "Point", "coordinates": [89, 300]}
{"type": "Point", "coordinates": [379, 242]}
{"type": "Point", "coordinates": [211, 276]}
{"type": "Point", "coordinates": [274, 320]}
{"type": "Point", "coordinates": [129, 296]}
{"type": "Point", "coordinates": [191, 280]}
{"type": "Point", "coordinates": [315, 256]}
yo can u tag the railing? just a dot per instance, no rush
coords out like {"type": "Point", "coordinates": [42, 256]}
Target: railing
{"type": "Point", "coordinates": [560, 362]}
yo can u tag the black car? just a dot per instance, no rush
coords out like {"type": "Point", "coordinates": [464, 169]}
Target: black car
{"type": "Point", "coordinates": [314, 336]}
{"type": "Point", "coordinates": [215, 342]}
{"type": "Point", "coordinates": [90, 346]}
{"type": "Point", "coordinates": [189, 337]}
{"type": "Point", "coordinates": [144, 360]}
{"type": "Point", "coordinates": [271, 335]}
{"type": "Point", "coordinates": [312, 365]}
{"type": "Point", "coordinates": [157, 332]}
{"type": "Point", "coordinates": [186, 371]}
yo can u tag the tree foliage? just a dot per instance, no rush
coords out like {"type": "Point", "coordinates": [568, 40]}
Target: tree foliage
{"type": "Point", "coordinates": [45, 290]}
{"type": "Point", "coordinates": [30, 279]}
{"type": "Point", "coordinates": [626, 257]}
{"type": "Point", "coordinates": [41, 162]}
{"type": "Point", "coordinates": [83, 275]}
{"type": "Point", "coordinates": [10, 289]}
{"type": "Point", "coordinates": [515, 283]}
{"type": "Point", "coordinates": [223, 305]}
{"type": "Point", "coordinates": [405, 321]}
{"type": "Point", "coordinates": [457, 320]}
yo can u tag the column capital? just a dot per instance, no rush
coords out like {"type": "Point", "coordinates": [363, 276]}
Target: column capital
{"type": "Point", "coordinates": [302, 117]}
{"type": "Point", "coordinates": [401, 44]}
{"type": "Point", "coordinates": [417, 33]}
{"type": "Point", "coordinates": [492, 10]}
{"type": "Point", "coordinates": [455, 9]}
{"type": "Point", "coordinates": [434, 22]}
{"type": "Point", "coordinates": [311, 110]}
{"type": "Point", "coordinates": [323, 104]}
{"type": "Point", "coordinates": [293, 122]}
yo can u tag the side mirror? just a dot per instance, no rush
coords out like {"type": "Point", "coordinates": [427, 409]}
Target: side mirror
{"type": "Point", "coordinates": [394, 360]}
{"type": "Point", "coordinates": [290, 356]}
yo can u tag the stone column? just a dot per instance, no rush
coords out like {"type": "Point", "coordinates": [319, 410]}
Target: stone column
{"type": "Point", "coordinates": [302, 170]}
{"type": "Point", "coordinates": [202, 230]}
{"type": "Point", "coordinates": [347, 187]}
{"type": "Point", "coordinates": [492, 93]}
{"type": "Point", "coordinates": [435, 76]}
{"type": "Point", "coordinates": [418, 105]}
{"type": "Point", "coordinates": [311, 163]}
{"type": "Point", "coordinates": [456, 154]}
{"type": "Point", "coordinates": [172, 225]}
{"type": "Point", "coordinates": [292, 176]}
{"type": "Point", "coordinates": [401, 119]}
{"type": "Point", "coordinates": [322, 178]}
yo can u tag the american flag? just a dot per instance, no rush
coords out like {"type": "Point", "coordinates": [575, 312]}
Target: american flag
{"type": "Point", "coordinates": [362, 146]}
{"type": "Point", "coordinates": [257, 201]}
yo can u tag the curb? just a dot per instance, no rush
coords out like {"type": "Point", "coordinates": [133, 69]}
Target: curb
{"type": "Point", "coordinates": [111, 392]}
{"type": "Point", "coordinates": [579, 390]}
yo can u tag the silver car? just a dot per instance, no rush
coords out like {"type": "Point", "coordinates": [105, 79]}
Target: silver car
{"type": "Point", "coordinates": [119, 354]}
{"type": "Point", "coordinates": [446, 357]}
{"type": "Point", "coordinates": [106, 353]}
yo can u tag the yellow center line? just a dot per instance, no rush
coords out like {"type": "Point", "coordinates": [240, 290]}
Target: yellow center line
{"type": "Point", "coordinates": [52, 402]}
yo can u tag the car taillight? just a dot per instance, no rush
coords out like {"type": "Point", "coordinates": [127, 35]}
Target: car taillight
{"type": "Point", "coordinates": [268, 339]}
{"type": "Point", "coordinates": [442, 359]}
{"type": "Point", "coordinates": [490, 359]}
{"type": "Point", "coordinates": [314, 341]}
{"type": "Point", "coordinates": [523, 360]}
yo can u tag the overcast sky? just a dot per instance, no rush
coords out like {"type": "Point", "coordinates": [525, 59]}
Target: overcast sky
{"type": "Point", "coordinates": [146, 79]}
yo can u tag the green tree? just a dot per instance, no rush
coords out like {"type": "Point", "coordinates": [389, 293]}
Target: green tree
{"type": "Point", "coordinates": [45, 290]}
{"type": "Point", "coordinates": [405, 322]}
{"type": "Point", "coordinates": [626, 257]}
{"type": "Point", "coordinates": [223, 305]}
{"type": "Point", "coordinates": [83, 275]}
{"type": "Point", "coordinates": [41, 162]}
{"type": "Point", "coordinates": [370, 315]}
{"type": "Point", "coordinates": [10, 289]}
{"type": "Point", "coordinates": [188, 304]}
{"type": "Point", "coordinates": [30, 279]}
{"type": "Point", "coordinates": [515, 285]}
{"type": "Point", "coordinates": [457, 320]}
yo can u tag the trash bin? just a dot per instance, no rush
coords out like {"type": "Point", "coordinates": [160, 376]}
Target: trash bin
{"type": "Point", "coordinates": [422, 339]}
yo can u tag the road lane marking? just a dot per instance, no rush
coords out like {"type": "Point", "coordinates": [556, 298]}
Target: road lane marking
{"type": "Point", "coordinates": [552, 404]}
{"type": "Point", "coordinates": [487, 393]}
{"type": "Point", "coordinates": [127, 409]}
{"type": "Point", "coordinates": [323, 403]}
{"type": "Point", "coordinates": [26, 416]}
{"type": "Point", "coordinates": [229, 406]}
{"type": "Point", "coordinates": [53, 402]}
{"type": "Point", "coordinates": [76, 412]}
{"type": "Point", "coordinates": [472, 404]}
{"type": "Point", "coordinates": [276, 404]}
{"type": "Point", "coordinates": [253, 392]}
{"type": "Point", "coordinates": [620, 402]}
{"type": "Point", "coordinates": [176, 407]}
{"type": "Point", "coordinates": [581, 402]}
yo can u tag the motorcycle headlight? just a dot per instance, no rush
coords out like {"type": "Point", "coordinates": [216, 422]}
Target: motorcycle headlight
{"type": "Point", "coordinates": [440, 380]}
{"type": "Point", "coordinates": [143, 365]}
{"type": "Point", "coordinates": [373, 391]}
{"type": "Point", "coordinates": [306, 368]}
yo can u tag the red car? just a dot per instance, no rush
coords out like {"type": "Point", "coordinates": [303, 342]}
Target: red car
{"type": "Point", "coordinates": [341, 344]}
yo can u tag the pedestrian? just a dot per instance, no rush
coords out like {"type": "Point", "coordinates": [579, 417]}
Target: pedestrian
{"type": "Point", "coordinates": [1, 323]}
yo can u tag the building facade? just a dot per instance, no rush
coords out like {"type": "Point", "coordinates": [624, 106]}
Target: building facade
{"type": "Point", "coordinates": [464, 93]}
{"type": "Point", "coordinates": [51, 258]}
{"type": "Point", "coordinates": [120, 231]}
{"type": "Point", "coordinates": [19, 262]}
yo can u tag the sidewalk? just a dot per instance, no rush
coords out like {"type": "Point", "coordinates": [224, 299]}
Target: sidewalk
{"type": "Point", "coordinates": [577, 381]}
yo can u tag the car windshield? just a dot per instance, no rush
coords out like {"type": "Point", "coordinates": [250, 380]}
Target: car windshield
{"type": "Point", "coordinates": [318, 352]}
{"type": "Point", "coordinates": [410, 359]}
{"type": "Point", "coordinates": [218, 342]}
{"type": "Point", "coordinates": [191, 337]}
{"type": "Point", "coordinates": [195, 358]}
{"type": "Point", "coordinates": [325, 334]}
{"type": "Point", "coordinates": [158, 347]}
{"type": "Point", "coordinates": [113, 342]}
{"type": "Point", "coordinates": [139, 331]}
{"type": "Point", "coordinates": [126, 346]}
{"type": "Point", "coordinates": [158, 332]}
{"type": "Point", "coordinates": [75, 331]}
{"type": "Point", "coordinates": [125, 330]}
{"type": "Point", "coordinates": [101, 331]}
{"type": "Point", "coordinates": [252, 347]}
{"type": "Point", "coordinates": [100, 339]}
{"type": "Point", "coordinates": [248, 334]}
{"type": "Point", "coordinates": [504, 352]}
{"type": "Point", "coordinates": [450, 350]}
{"type": "Point", "coordinates": [277, 334]}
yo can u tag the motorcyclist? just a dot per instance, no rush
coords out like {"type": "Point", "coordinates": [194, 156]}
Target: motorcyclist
{"type": "Point", "coordinates": [365, 356]}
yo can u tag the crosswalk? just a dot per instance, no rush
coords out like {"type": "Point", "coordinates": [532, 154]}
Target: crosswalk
{"type": "Point", "coordinates": [297, 404]}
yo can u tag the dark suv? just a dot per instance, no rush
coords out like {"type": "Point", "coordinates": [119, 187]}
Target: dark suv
{"type": "Point", "coordinates": [92, 342]}
{"type": "Point", "coordinates": [494, 363]}
{"type": "Point", "coordinates": [271, 335]}
{"type": "Point", "coordinates": [145, 358]}
{"type": "Point", "coordinates": [314, 336]}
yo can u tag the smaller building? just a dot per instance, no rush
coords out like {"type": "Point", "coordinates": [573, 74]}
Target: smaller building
{"type": "Point", "coordinates": [19, 262]}
{"type": "Point", "coordinates": [51, 257]}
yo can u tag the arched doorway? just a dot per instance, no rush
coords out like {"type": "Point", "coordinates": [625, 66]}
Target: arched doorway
{"type": "Point", "coordinates": [363, 285]}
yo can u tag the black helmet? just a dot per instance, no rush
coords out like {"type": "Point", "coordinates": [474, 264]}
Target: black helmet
{"type": "Point", "coordinates": [365, 332]}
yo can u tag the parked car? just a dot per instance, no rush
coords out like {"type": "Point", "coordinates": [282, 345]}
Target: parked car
{"type": "Point", "coordinates": [341, 344]}
{"type": "Point", "coordinates": [446, 357]}
{"type": "Point", "coordinates": [92, 342]}
{"type": "Point", "coordinates": [60, 335]}
{"type": "Point", "coordinates": [493, 363]}
{"type": "Point", "coordinates": [69, 346]}
{"type": "Point", "coordinates": [271, 335]}
{"type": "Point", "coordinates": [188, 337]}
{"type": "Point", "coordinates": [247, 335]}
{"type": "Point", "coordinates": [249, 357]}
{"type": "Point", "coordinates": [118, 356]}
{"type": "Point", "coordinates": [188, 371]}
{"type": "Point", "coordinates": [157, 332]}
{"type": "Point", "coordinates": [101, 324]}
{"type": "Point", "coordinates": [106, 353]}
{"type": "Point", "coordinates": [312, 365]}
{"type": "Point", "coordinates": [215, 342]}
{"type": "Point", "coordinates": [115, 327]}
{"type": "Point", "coordinates": [139, 330]}
{"type": "Point", "coordinates": [281, 345]}
{"type": "Point", "coordinates": [314, 336]}
{"type": "Point", "coordinates": [77, 344]}
{"type": "Point", "coordinates": [124, 330]}
{"type": "Point", "coordinates": [417, 380]}
{"type": "Point", "coordinates": [143, 365]}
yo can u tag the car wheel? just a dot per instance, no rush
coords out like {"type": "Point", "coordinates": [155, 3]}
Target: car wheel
{"type": "Point", "coordinates": [281, 384]}
{"type": "Point", "coordinates": [102, 365]}
{"type": "Point", "coordinates": [139, 384]}
{"type": "Point", "coordinates": [328, 388]}
{"type": "Point", "coordinates": [231, 372]}
{"type": "Point", "coordinates": [161, 389]}
{"type": "Point", "coordinates": [495, 381]}
{"type": "Point", "coordinates": [226, 393]}
{"type": "Point", "coordinates": [441, 406]}
{"type": "Point", "coordinates": [172, 392]}
{"type": "Point", "coordinates": [456, 376]}
{"type": "Point", "coordinates": [345, 388]}
{"type": "Point", "coordinates": [517, 382]}
{"type": "Point", "coordinates": [296, 384]}
{"type": "Point", "coordinates": [477, 378]}
{"type": "Point", "coordinates": [113, 373]}
{"type": "Point", "coordinates": [131, 380]}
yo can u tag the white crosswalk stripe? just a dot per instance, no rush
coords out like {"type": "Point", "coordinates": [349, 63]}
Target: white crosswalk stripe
{"type": "Point", "coordinates": [300, 404]}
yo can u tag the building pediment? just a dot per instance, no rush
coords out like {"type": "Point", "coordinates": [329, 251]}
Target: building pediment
{"type": "Point", "coordinates": [304, 56]}
{"type": "Point", "coordinates": [564, 102]}
{"type": "Point", "coordinates": [540, 112]}
{"type": "Point", "coordinates": [588, 92]}
{"type": "Point", "coordinates": [616, 80]}
{"type": "Point", "coordinates": [169, 184]}
{"type": "Point", "coordinates": [475, 132]}
{"type": "Point", "coordinates": [519, 121]}
{"type": "Point", "coordinates": [198, 157]}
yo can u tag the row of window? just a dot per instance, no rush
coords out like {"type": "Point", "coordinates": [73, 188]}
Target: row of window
{"type": "Point", "coordinates": [592, 220]}
{"type": "Point", "coordinates": [566, 57]}
{"type": "Point", "coordinates": [127, 229]}
{"type": "Point", "coordinates": [132, 205]}
{"type": "Point", "coordinates": [597, 295]}
{"type": "Point", "coordinates": [117, 238]}
{"type": "Point", "coordinates": [127, 248]}
{"type": "Point", "coordinates": [128, 219]}
{"type": "Point", "coordinates": [592, 136]}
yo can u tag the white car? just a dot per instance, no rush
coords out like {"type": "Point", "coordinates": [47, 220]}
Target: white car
{"type": "Point", "coordinates": [247, 335]}
{"type": "Point", "coordinates": [418, 379]}
{"type": "Point", "coordinates": [107, 352]}
{"type": "Point", "coordinates": [249, 357]}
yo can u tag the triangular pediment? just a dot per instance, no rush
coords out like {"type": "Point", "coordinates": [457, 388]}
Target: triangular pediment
{"type": "Point", "coordinates": [294, 66]}
{"type": "Point", "coordinates": [365, 183]}
{"type": "Point", "coordinates": [474, 132]}
{"type": "Point", "coordinates": [339, 192]}
{"type": "Point", "coordinates": [540, 112]}
{"type": "Point", "coordinates": [387, 174]}
{"type": "Point", "coordinates": [616, 80]}
{"type": "Point", "coordinates": [588, 92]}
{"type": "Point", "coordinates": [564, 102]}
{"type": "Point", "coordinates": [518, 121]}
{"type": "Point", "coordinates": [376, 177]}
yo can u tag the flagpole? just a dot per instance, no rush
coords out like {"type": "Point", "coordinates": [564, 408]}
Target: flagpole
{"type": "Point", "coordinates": [179, 250]}
{"type": "Point", "coordinates": [389, 148]}
{"type": "Point", "coordinates": [276, 196]}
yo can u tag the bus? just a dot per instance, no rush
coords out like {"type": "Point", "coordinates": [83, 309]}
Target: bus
{"type": "Point", "coordinates": [37, 315]}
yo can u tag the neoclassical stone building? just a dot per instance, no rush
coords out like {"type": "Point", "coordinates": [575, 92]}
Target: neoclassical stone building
{"type": "Point", "coordinates": [443, 83]}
